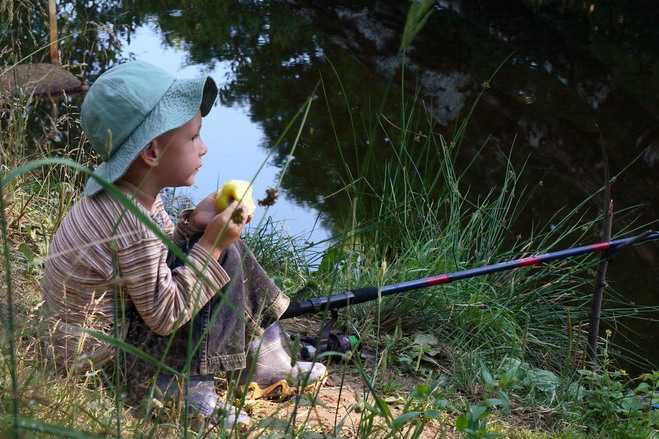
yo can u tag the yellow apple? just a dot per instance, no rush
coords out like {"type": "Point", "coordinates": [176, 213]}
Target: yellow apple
{"type": "Point", "coordinates": [235, 190]}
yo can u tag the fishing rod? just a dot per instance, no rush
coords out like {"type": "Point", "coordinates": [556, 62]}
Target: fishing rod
{"type": "Point", "coordinates": [335, 341]}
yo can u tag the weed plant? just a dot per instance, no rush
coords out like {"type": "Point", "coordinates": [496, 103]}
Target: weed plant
{"type": "Point", "coordinates": [413, 221]}
{"type": "Point", "coordinates": [610, 403]}
{"type": "Point", "coordinates": [475, 351]}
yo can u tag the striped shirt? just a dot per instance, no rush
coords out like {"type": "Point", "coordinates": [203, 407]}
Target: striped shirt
{"type": "Point", "coordinates": [100, 252]}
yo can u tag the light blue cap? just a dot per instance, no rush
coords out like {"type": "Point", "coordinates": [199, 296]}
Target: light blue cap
{"type": "Point", "coordinates": [130, 105]}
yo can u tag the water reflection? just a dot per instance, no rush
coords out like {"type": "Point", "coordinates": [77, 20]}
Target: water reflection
{"type": "Point", "coordinates": [556, 102]}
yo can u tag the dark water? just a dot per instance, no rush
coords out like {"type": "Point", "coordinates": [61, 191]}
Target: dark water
{"type": "Point", "coordinates": [573, 79]}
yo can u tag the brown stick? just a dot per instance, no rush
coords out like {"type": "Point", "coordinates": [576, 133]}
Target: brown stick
{"type": "Point", "coordinates": [600, 279]}
{"type": "Point", "coordinates": [52, 20]}
{"type": "Point", "coordinates": [598, 292]}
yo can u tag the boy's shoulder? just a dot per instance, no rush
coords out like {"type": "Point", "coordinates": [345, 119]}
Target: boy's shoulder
{"type": "Point", "coordinates": [101, 204]}
{"type": "Point", "coordinates": [97, 226]}
{"type": "Point", "coordinates": [101, 215]}
{"type": "Point", "coordinates": [103, 201]}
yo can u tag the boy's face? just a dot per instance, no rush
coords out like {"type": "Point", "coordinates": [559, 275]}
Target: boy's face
{"type": "Point", "coordinates": [181, 152]}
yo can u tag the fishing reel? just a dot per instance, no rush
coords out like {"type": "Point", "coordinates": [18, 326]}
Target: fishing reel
{"type": "Point", "coordinates": [329, 341]}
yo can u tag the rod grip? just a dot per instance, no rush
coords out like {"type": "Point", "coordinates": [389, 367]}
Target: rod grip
{"type": "Point", "coordinates": [319, 304]}
{"type": "Point", "coordinates": [294, 309]}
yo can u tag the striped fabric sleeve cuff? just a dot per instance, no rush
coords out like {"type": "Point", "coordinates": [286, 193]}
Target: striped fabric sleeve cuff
{"type": "Point", "coordinates": [204, 262]}
{"type": "Point", "coordinates": [184, 229]}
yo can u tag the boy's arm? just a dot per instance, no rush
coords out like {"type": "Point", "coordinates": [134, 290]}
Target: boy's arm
{"type": "Point", "coordinates": [165, 298]}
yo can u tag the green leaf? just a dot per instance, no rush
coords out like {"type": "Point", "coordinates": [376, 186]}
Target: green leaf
{"type": "Point", "coordinates": [383, 408]}
{"type": "Point", "coordinates": [343, 420]}
{"type": "Point", "coordinates": [405, 360]}
{"type": "Point", "coordinates": [417, 16]}
{"type": "Point", "coordinates": [479, 412]}
{"type": "Point", "coordinates": [576, 391]}
{"type": "Point", "coordinates": [313, 435]}
{"type": "Point", "coordinates": [27, 251]}
{"type": "Point", "coordinates": [427, 350]}
{"type": "Point", "coordinates": [394, 400]}
{"type": "Point", "coordinates": [631, 404]}
{"type": "Point", "coordinates": [441, 404]}
{"type": "Point", "coordinates": [432, 413]}
{"type": "Point", "coordinates": [400, 420]}
{"type": "Point", "coordinates": [543, 380]}
{"type": "Point", "coordinates": [490, 402]}
{"type": "Point", "coordinates": [505, 401]}
{"type": "Point", "coordinates": [421, 391]}
{"type": "Point", "coordinates": [510, 377]}
{"type": "Point", "coordinates": [461, 423]}
{"type": "Point", "coordinates": [425, 340]}
{"type": "Point", "coordinates": [429, 359]}
{"type": "Point", "coordinates": [488, 380]}
{"type": "Point", "coordinates": [331, 258]}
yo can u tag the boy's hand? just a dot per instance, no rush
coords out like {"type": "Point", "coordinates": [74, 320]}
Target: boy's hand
{"type": "Point", "coordinates": [204, 212]}
{"type": "Point", "coordinates": [222, 231]}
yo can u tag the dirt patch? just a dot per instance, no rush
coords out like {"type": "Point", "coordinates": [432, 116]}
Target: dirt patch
{"type": "Point", "coordinates": [338, 403]}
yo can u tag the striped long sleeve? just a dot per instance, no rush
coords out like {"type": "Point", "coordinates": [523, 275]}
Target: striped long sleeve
{"type": "Point", "coordinates": [102, 256]}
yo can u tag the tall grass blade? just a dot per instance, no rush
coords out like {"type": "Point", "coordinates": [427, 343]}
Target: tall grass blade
{"type": "Point", "coordinates": [9, 311]}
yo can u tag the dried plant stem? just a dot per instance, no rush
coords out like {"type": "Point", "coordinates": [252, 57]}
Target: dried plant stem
{"type": "Point", "coordinates": [9, 328]}
{"type": "Point", "coordinates": [600, 279]}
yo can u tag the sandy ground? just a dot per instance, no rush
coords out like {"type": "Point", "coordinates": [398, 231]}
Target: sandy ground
{"type": "Point", "coordinates": [337, 402]}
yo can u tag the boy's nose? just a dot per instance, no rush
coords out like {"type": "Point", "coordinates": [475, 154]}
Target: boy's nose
{"type": "Point", "coordinates": [204, 148]}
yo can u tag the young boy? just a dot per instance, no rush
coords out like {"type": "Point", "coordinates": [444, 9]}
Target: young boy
{"type": "Point", "coordinates": [107, 271]}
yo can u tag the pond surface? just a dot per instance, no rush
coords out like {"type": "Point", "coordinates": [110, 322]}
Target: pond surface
{"type": "Point", "coordinates": [565, 81]}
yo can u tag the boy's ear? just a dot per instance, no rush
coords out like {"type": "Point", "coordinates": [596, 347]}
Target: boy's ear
{"type": "Point", "coordinates": [150, 155]}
